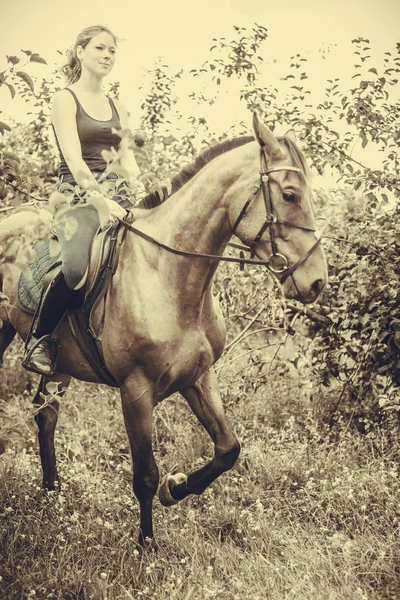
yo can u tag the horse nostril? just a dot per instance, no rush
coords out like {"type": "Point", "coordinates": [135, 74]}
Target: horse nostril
{"type": "Point", "coordinates": [317, 286]}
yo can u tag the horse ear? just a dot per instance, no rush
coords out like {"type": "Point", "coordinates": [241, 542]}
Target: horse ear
{"type": "Point", "coordinates": [291, 135]}
{"type": "Point", "coordinates": [265, 137]}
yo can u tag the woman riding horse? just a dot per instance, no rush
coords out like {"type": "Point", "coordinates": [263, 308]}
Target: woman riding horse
{"type": "Point", "coordinates": [162, 329]}
{"type": "Point", "coordinates": [84, 120]}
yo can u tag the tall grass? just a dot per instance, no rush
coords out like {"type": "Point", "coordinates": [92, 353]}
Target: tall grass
{"type": "Point", "coordinates": [301, 516]}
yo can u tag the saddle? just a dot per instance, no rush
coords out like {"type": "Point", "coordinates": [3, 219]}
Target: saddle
{"type": "Point", "coordinates": [103, 264]}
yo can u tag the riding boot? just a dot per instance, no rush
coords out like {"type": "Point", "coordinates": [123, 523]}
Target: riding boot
{"type": "Point", "coordinates": [39, 351]}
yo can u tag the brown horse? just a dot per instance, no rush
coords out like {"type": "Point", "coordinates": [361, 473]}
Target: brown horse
{"type": "Point", "coordinates": [163, 329]}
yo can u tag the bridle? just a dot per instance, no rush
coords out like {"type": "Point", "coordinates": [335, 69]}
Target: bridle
{"type": "Point", "coordinates": [277, 262]}
{"type": "Point", "coordinates": [283, 269]}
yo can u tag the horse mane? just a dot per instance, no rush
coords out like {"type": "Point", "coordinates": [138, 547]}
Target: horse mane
{"type": "Point", "coordinates": [207, 155]}
{"type": "Point", "coordinates": [190, 170]}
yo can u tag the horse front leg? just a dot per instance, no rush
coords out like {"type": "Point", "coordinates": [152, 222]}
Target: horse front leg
{"type": "Point", "coordinates": [46, 420]}
{"type": "Point", "coordinates": [204, 399]}
{"type": "Point", "coordinates": [137, 407]}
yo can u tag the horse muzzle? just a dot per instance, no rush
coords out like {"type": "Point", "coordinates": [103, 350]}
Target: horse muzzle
{"type": "Point", "coordinates": [303, 287]}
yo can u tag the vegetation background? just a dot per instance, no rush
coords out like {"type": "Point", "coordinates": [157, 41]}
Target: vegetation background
{"type": "Point", "coordinates": [312, 508]}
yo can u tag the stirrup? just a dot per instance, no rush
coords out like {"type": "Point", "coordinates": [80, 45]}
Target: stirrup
{"type": "Point", "coordinates": [45, 339]}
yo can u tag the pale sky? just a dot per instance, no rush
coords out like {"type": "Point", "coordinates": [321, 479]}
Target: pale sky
{"type": "Point", "coordinates": [180, 29]}
{"type": "Point", "coordinates": [180, 32]}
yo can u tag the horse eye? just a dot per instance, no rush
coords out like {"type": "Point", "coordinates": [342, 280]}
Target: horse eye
{"type": "Point", "coordinates": [290, 197]}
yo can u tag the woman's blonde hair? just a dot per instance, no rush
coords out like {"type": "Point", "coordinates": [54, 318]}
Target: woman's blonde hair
{"type": "Point", "coordinates": [72, 69]}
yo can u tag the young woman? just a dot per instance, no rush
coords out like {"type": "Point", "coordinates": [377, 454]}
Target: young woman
{"type": "Point", "coordinates": [83, 119]}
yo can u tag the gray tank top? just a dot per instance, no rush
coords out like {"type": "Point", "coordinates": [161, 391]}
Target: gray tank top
{"type": "Point", "coordinates": [94, 136]}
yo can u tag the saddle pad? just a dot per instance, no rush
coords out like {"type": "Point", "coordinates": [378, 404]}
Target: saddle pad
{"type": "Point", "coordinates": [30, 284]}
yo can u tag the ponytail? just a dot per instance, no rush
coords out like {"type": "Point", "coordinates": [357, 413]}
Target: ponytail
{"type": "Point", "coordinates": [72, 69]}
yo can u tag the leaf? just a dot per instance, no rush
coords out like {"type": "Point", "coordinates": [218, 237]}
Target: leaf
{"type": "Point", "coordinates": [58, 199]}
{"type": "Point", "coordinates": [74, 449]}
{"type": "Point", "coordinates": [11, 88]}
{"type": "Point", "coordinates": [373, 70]}
{"type": "Point", "coordinates": [26, 78]}
{"type": "Point", "coordinates": [52, 387]}
{"type": "Point", "coordinates": [27, 52]}
{"type": "Point", "coordinates": [54, 247]}
{"type": "Point", "coordinates": [14, 60]}
{"type": "Point", "coordinates": [4, 127]}
{"type": "Point", "coordinates": [108, 156]}
{"type": "Point", "coordinates": [36, 58]}
{"type": "Point", "coordinates": [68, 223]}
{"type": "Point", "coordinates": [102, 207]}
{"type": "Point", "coordinates": [38, 182]}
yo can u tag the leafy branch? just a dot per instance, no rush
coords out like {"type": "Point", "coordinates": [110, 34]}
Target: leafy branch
{"type": "Point", "coordinates": [12, 78]}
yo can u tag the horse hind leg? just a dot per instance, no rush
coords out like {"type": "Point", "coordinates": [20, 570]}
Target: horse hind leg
{"type": "Point", "coordinates": [205, 401]}
{"type": "Point", "coordinates": [7, 333]}
{"type": "Point", "coordinates": [46, 401]}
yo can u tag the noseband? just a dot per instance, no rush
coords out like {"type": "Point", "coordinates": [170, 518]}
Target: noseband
{"type": "Point", "coordinates": [277, 262]}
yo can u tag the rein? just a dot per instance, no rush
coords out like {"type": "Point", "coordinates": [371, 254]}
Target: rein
{"type": "Point", "coordinates": [148, 238]}
{"type": "Point", "coordinates": [283, 268]}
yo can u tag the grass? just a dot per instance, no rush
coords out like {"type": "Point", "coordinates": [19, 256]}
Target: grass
{"type": "Point", "coordinates": [301, 516]}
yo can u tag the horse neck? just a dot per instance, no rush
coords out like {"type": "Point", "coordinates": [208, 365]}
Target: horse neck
{"type": "Point", "coordinates": [195, 219]}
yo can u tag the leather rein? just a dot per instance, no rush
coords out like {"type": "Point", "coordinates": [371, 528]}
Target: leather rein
{"type": "Point", "coordinates": [281, 266]}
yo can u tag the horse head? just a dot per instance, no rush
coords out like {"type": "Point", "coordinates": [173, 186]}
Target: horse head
{"type": "Point", "coordinates": [277, 222]}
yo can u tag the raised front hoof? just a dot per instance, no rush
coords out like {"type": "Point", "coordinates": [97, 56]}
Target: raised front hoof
{"type": "Point", "coordinates": [165, 491]}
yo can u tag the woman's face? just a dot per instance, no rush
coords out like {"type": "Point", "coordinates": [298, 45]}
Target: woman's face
{"type": "Point", "coordinates": [98, 56]}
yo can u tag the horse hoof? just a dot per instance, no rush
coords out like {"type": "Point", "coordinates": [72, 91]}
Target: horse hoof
{"type": "Point", "coordinates": [165, 491]}
{"type": "Point", "coordinates": [146, 545]}
{"type": "Point", "coordinates": [51, 485]}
